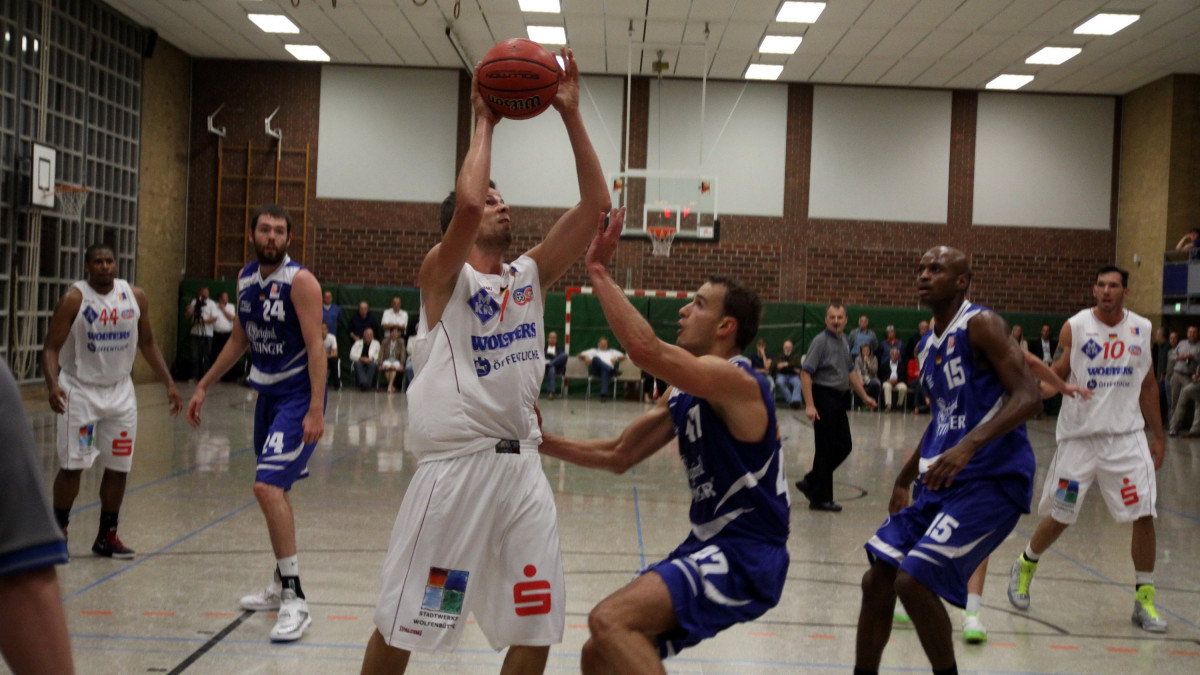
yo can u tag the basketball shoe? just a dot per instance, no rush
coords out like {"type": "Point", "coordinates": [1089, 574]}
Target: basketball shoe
{"type": "Point", "coordinates": [973, 631]}
{"type": "Point", "coordinates": [293, 617]}
{"type": "Point", "coordinates": [268, 599]}
{"type": "Point", "coordinates": [1145, 616]}
{"type": "Point", "coordinates": [1019, 578]}
{"type": "Point", "coordinates": [108, 545]}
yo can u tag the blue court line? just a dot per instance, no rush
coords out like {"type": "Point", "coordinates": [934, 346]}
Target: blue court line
{"type": "Point", "coordinates": [155, 554]}
{"type": "Point", "coordinates": [177, 474]}
{"type": "Point", "coordinates": [1124, 587]}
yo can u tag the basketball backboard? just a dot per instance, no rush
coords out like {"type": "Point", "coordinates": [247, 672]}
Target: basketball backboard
{"type": "Point", "coordinates": [684, 201]}
{"type": "Point", "coordinates": [41, 184]}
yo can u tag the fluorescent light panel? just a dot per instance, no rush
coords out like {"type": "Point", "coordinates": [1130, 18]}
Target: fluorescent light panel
{"type": "Point", "coordinates": [1009, 82]}
{"type": "Point", "coordinates": [307, 52]}
{"type": "Point", "coordinates": [274, 23]}
{"type": "Point", "coordinates": [800, 12]}
{"type": "Point", "coordinates": [1105, 24]}
{"type": "Point", "coordinates": [780, 44]}
{"type": "Point", "coordinates": [547, 35]}
{"type": "Point", "coordinates": [763, 71]}
{"type": "Point", "coordinates": [541, 6]}
{"type": "Point", "coordinates": [1053, 56]}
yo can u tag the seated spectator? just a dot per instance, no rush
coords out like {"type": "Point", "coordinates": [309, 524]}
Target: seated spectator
{"type": "Point", "coordinates": [1189, 241]}
{"type": "Point", "coordinates": [392, 356]}
{"type": "Point", "coordinates": [333, 373]}
{"type": "Point", "coordinates": [920, 400]}
{"type": "Point", "coordinates": [1019, 338]}
{"type": "Point", "coordinates": [863, 335]}
{"type": "Point", "coordinates": [361, 321]}
{"type": "Point", "coordinates": [761, 362]}
{"type": "Point", "coordinates": [556, 362]}
{"type": "Point", "coordinates": [394, 316]}
{"type": "Point", "coordinates": [885, 348]}
{"type": "Point", "coordinates": [894, 380]}
{"type": "Point", "coordinates": [602, 362]}
{"type": "Point", "coordinates": [331, 314]}
{"type": "Point", "coordinates": [364, 356]}
{"type": "Point", "coordinates": [868, 369]}
{"type": "Point", "coordinates": [787, 375]}
{"type": "Point", "coordinates": [652, 387]}
{"type": "Point", "coordinates": [910, 347]}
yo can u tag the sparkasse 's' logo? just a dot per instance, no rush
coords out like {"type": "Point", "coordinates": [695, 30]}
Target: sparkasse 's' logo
{"type": "Point", "coordinates": [531, 598]}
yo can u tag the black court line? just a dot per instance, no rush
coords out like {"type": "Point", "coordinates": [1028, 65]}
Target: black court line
{"type": "Point", "coordinates": [212, 642]}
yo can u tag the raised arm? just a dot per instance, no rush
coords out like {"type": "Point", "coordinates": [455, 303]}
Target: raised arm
{"type": "Point", "coordinates": [989, 338]}
{"type": "Point", "coordinates": [56, 337]}
{"type": "Point", "coordinates": [151, 352]}
{"type": "Point", "coordinates": [569, 237]}
{"type": "Point", "coordinates": [649, 432]}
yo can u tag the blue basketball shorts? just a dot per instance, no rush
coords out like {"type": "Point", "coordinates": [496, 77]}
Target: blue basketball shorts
{"type": "Point", "coordinates": [944, 535]}
{"type": "Point", "coordinates": [279, 438]}
{"type": "Point", "coordinates": [719, 583]}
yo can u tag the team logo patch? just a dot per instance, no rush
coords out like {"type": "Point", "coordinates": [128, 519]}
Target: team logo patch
{"type": "Point", "coordinates": [90, 314]}
{"type": "Point", "coordinates": [274, 291]}
{"type": "Point", "coordinates": [445, 590]}
{"type": "Point", "coordinates": [127, 314]}
{"type": "Point", "coordinates": [1135, 330]}
{"type": "Point", "coordinates": [1091, 348]}
{"type": "Point", "coordinates": [122, 296]}
{"type": "Point", "coordinates": [522, 296]}
{"type": "Point", "coordinates": [1129, 493]}
{"type": "Point", "coordinates": [244, 306]}
{"type": "Point", "coordinates": [1091, 384]}
{"type": "Point", "coordinates": [482, 367]}
{"type": "Point", "coordinates": [1136, 350]}
{"type": "Point", "coordinates": [86, 437]}
{"type": "Point", "coordinates": [483, 305]}
{"type": "Point", "coordinates": [1067, 492]}
{"type": "Point", "coordinates": [949, 345]}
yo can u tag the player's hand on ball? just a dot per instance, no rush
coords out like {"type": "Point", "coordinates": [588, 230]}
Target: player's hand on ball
{"type": "Point", "coordinates": [567, 98]}
{"type": "Point", "coordinates": [605, 244]}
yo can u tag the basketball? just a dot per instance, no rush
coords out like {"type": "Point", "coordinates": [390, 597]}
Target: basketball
{"type": "Point", "coordinates": [519, 78]}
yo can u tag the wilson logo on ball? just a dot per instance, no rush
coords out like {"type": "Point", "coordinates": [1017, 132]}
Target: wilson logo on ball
{"type": "Point", "coordinates": [518, 78]}
{"type": "Point", "coordinates": [515, 104]}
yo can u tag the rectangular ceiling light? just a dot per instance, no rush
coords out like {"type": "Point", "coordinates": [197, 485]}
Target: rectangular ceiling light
{"type": "Point", "coordinates": [547, 35]}
{"type": "Point", "coordinates": [1009, 82]}
{"type": "Point", "coordinates": [307, 52]}
{"type": "Point", "coordinates": [800, 12]}
{"type": "Point", "coordinates": [1105, 24]}
{"type": "Point", "coordinates": [780, 44]}
{"type": "Point", "coordinates": [1053, 56]}
{"type": "Point", "coordinates": [541, 6]}
{"type": "Point", "coordinates": [274, 23]}
{"type": "Point", "coordinates": [763, 71]}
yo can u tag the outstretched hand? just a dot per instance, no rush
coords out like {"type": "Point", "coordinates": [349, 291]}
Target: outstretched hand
{"type": "Point", "coordinates": [567, 98]}
{"type": "Point", "coordinates": [605, 244]}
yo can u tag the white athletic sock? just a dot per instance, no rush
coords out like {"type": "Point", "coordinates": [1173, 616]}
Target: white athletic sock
{"type": "Point", "coordinates": [974, 600]}
{"type": "Point", "coordinates": [1030, 555]}
{"type": "Point", "coordinates": [1143, 578]}
{"type": "Point", "coordinates": [289, 567]}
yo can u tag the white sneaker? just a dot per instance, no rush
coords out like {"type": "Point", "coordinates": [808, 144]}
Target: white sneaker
{"type": "Point", "coordinates": [293, 618]}
{"type": "Point", "coordinates": [264, 601]}
{"type": "Point", "coordinates": [973, 631]}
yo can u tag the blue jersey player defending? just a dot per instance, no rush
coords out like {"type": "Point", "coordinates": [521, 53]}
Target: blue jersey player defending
{"type": "Point", "coordinates": [279, 320]}
{"type": "Point", "coordinates": [732, 566]}
{"type": "Point", "coordinates": [974, 462]}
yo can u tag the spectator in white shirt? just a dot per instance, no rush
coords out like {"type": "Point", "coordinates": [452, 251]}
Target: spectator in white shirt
{"type": "Point", "coordinates": [602, 362]}
{"type": "Point", "coordinates": [331, 357]}
{"type": "Point", "coordinates": [394, 316]}
{"type": "Point", "coordinates": [893, 376]}
{"type": "Point", "coordinates": [203, 313]}
{"type": "Point", "coordinates": [364, 355]}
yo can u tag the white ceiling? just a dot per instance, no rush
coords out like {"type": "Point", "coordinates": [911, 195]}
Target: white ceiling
{"type": "Point", "coordinates": [959, 44]}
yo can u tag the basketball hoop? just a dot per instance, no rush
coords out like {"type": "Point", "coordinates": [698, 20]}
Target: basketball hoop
{"type": "Point", "coordinates": [661, 238]}
{"type": "Point", "coordinates": [70, 199]}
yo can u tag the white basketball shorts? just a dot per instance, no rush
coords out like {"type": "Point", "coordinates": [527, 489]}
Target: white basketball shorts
{"type": "Point", "coordinates": [101, 421]}
{"type": "Point", "coordinates": [476, 533]}
{"type": "Point", "coordinates": [1121, 466]}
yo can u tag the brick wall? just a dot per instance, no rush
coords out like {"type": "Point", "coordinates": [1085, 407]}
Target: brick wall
{"type": "Point", "coordinates": [791, 258]}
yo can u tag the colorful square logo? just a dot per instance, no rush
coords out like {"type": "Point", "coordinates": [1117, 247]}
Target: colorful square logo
{"type": "Point", "coordinates": [1068, 491]}
{"type": "Point", "coordinates": [445, 590]}
{"type": "Point", "coordinates": [86, 436]}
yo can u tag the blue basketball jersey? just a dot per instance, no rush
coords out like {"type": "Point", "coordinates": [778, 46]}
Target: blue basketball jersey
{"type": "Point", "coordinates": [966, 395]}
{"type": "Point", "coordinates": [278, 358]}
{"type": "Point", "coordinates": [738, 488]}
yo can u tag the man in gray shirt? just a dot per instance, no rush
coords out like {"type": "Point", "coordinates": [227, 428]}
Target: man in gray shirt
{"type": "Point", "coordinates": [827, 377]}
{"type": "Point", "coordinates": [1184, 365]}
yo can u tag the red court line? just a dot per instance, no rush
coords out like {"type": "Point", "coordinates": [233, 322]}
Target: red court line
{"type": "Point", "coordinates": [158, 613]}
{"type": "Point", "coordinates": [1122, 650]}
{"type": "Point", "coordinates": [758, 634]}
{"type": "Point", "coordinates": [822, 637]}
{"type": "Point", "coordinates": [334, 617]}
{"type": "Point", "coordinates": [219, 614]}
{"type": "Point", "coordinates": [1002, 644]}
{"type": "Point", "coordinates": [1176, 652]}
{"type": "Point", "coordinates": [1069, 648]}
{"type": "Point", "coordinates": [96, 613]}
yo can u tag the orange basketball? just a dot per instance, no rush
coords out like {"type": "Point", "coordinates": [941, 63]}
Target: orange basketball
{"type": "Point", "coordinates": [519, 78]}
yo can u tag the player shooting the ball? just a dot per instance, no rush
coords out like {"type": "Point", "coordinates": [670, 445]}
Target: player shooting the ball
{"type": "Point", "coordinates": [479, 367]}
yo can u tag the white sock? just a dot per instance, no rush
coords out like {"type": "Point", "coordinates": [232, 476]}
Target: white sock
{"type": "Point", "coordinates": [1143, 578]}
{"type": "Point", "coordinates": [1030, 555]}
{"type": "Point", "coordinates": [974, 600]}
{"type": "Point", "coordinates": [289, 567]}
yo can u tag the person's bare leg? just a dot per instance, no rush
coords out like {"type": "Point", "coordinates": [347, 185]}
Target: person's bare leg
{"type": "Point", "coordinates": [66, 488]}
{"type": "Point", "coordinates": [929, 618]}
{"type": "Point", "coordinates": [875, 615]}
{"type": "Point", "coordinates": [33, 627]}
{"type": "Point", "coordinates": [624, 627]}
{"type": "Point", "coordinates": [1144, 546]}
{"type": "Point", "coordinates": [281, 523]}
{"type": "Point", "coordinates": [978, 577]}
{"type": "Point", "coordinates": [381, 659]}
{"type": "Point", "coordinates": [112, 490]}
{"type": "Point", "coordinates": [391, 379]}
{"type": "Point", "coordinates": [1048, 531]}
{"type": "Point", "coordinates": [525, 660]}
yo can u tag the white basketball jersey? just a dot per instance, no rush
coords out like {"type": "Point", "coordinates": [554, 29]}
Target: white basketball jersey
{"type": "Point", "coordinates": [479, 370]}
{"type": "Point", "coordinates": [1112, 361]}
{"type": "Point", "coordinates": [102, 343]}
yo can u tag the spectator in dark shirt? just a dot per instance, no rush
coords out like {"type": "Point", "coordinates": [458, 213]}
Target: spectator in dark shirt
{"type": "Point", "coordinates": [361, 321]}
{"type": "Point", "coordinates": [787, 375]}
{"type": "Point", "coordinates": [331, 314]}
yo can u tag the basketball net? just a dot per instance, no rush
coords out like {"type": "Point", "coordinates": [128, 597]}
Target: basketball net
{"type": "Point", "coordinates": [660, 239]}
{"type": "Point", "coordinates": [71, 199]}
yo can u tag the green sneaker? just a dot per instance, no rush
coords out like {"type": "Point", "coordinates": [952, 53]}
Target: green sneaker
{"type": "Point", "coordinates": [1145, 616]}
{"type": "Point", "coordinates": [973, 631]}
{"type": "Point", "coordinates": [1019, 578]}
{"type": "Point", "coordinates": [900, 616]}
